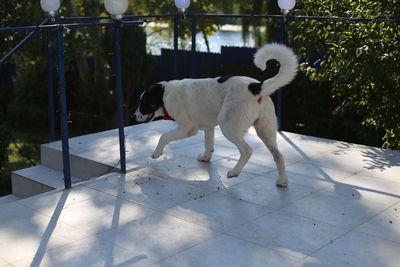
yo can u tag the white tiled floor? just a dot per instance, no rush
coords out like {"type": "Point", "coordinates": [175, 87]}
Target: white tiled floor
{"type": "Point", "coordinates": [342, 207]}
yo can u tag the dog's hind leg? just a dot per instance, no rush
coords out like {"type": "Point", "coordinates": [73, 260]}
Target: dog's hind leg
{"type": "Point", "coordinates": [173, 135]}
{"type": "Point", "coordinates": [267, 133]}
{"type": "Point", "coordinates": [236, 137]}
{"type": "Point", "coordinates": [209, 145]}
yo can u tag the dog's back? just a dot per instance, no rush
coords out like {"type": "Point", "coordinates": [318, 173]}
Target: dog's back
{"type": "Point", "coordinates": [200, 100]}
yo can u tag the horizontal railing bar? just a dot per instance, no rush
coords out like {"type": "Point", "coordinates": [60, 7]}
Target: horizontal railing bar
{"type": "Point", "coordinates": [239, 16]}
{"type": "Point", "coordinates": [72, 25]}
{"type": "Point", "coordinates": [111, 18]}
{"type": "Point", "coordinates": [99, 24]}
{"type": "Point", "coordinates": [293, 17]}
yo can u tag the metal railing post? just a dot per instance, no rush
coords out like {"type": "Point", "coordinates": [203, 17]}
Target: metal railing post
{"type": "Point", "coordinates": [50, 86]}
{"type": "Point", "coordinates": [176, 36]}
{"type": "Point", "coordinates": [279, 104]}
{"type": "Point", "coordinates": [63, 108]}
{"type": "Point", "coordinates": [120, 99]}
{"type": "Point", "coordinates": [193, 51]}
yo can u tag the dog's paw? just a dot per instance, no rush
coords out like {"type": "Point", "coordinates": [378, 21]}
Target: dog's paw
{"type": "Point", "coordinates": [232, 173]}
{"type": "Point", "coordinates": [203, 158]}
{"type": "Point", "coordinates": [282, 184]}
{"type": "Point", "coordinates": [156, 155]}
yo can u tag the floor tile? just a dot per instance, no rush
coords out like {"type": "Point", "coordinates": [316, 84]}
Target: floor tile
{"type": "Point", "coordinates": [14, 211]}
{"type": "Point", "coordinates": [168, 164]}
{"type": "Point", "coordinates": [380, 185]}
{"type": "Point", "coordinates": [356, 249]}
{"type": "Point", "coordinates": [342, 205]}
{"type": "Point", "coordinates": [350, 160]}
{"type": "Point", "coordinates": [218, 211]}
{"type": "Point", "coordinates": [263, 190]}
{"type": "Point", "coordinates": [304, 141]}
{"type": "Point", "coordinates": [195, 150]}
{"type": "Point", "coordinates": [55, 201]}
{"type": "Point", "coordinates": [32, 235]}
{"type": "Point", "coordinates": [208, 176]}
{"type": "Point", "coordinates": [384, 168]}
{"type": "Point", "coordinates": [149, 190]}
{"type": "Point", "coordinates": [313, 176]}
{"type": "Point", "coordinates": [251, 166]}
{"type": "Point", "coordinates": [288, 233]}
{"type": "Point", "coordinates": [225, 250]}
{"type": "Point", "coordinates": [158, 236]}
{"type": "Point", "coordinates": [88, 252]}
{"type": "Point", "coordinates": [102, 213]}
{"type": "Point", "coordinates": [386, 225]}
{"type": "Point", "coordinates": [112, 183]}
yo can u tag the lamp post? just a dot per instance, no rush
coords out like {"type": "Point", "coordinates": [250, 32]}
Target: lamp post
{"type": "Point", "coordinates": [182, 5]}
{"type": "Point", "coordinates": [50, 6]}
{"type": "Point", "coordinates": [285, 6]}
{"type": "Point", "coordinates": [117, 9]}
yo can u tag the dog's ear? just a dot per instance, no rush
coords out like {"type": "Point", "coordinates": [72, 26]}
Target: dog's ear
{"type": "Point", "coordinates": [156, 88]}
{"type": "Point", "coordinates": [152, 98]}
{"type": "Point", "coordinates": [156, 91]}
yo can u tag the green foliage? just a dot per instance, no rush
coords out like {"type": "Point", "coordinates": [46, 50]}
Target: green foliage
{"type": "Point", "coordinates": [361, 60]}
{"type": "Point", "coordinates": [5, 141]}
{"type": "Point", "coordinates": [263, 30]}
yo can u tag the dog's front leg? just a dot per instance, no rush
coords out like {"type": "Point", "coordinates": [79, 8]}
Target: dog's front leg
{"type": "Point", "coordinates": [167, 138]}
{"type": "Point", "coordinates": [209, 145]}
{"type": "Point", "coordinates": [234, 135]}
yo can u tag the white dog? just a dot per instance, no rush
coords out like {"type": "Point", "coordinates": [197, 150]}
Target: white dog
{"type": "Point", "coordinates": [233, 103]}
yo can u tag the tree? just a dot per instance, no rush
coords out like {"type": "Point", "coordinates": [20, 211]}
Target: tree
{"type": "Point", "coordinates": [360, 59]}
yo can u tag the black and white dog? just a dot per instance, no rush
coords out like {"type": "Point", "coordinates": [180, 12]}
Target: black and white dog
{"type": "Point", "coordinates": [234, 103]}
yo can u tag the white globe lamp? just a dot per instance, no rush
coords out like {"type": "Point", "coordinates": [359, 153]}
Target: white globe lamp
{"type": "Point", "coordinates": [116, 8]}
{"type": "Point", "coordinates": [182, 5]}
{"type": "Point", "coordinates": [50, 6]}
{"type": "Point", "coordinates": [286, 5]}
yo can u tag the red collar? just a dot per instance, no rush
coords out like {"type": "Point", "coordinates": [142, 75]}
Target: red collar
{"type": "Point", "coordinates": [166, 116]}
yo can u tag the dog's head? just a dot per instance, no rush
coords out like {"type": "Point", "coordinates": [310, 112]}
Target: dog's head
{"type": "Point", "coordinates": [150, 104]}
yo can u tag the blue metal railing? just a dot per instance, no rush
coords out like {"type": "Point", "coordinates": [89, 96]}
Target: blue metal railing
{"type": "Point", "coordinates": [59, 25]}
{"type": "Point", "coordinates": [61, 82]}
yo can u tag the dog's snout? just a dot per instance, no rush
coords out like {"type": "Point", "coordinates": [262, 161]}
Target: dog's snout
{"type": "Point", "coordinates": [138, 116]}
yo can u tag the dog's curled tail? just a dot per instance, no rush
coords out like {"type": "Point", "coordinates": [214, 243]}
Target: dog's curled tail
{"type": "Point", "coordinates": [288, 66]}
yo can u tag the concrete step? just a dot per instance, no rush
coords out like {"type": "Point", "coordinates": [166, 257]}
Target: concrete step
{"type": "Point", "coordinates": [81, 167]}
{"type": "Point", "coordinates": [91, 156]}
{"type": "Point", "coordinates": [36, 180]}
{"type": "Point", "coordinates": [8, 199]}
